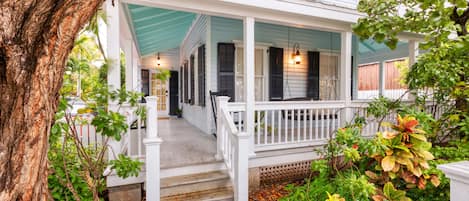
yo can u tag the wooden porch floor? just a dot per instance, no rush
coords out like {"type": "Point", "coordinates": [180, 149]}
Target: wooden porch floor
{"type": "Point", "coordinates": [184, 144]}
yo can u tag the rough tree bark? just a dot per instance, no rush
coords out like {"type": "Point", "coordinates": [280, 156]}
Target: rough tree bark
{"type": "Point", "coordinates": [36, 37]}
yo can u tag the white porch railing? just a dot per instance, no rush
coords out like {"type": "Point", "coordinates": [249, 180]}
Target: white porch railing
{"type": "Point", "coordinates": [290, 124]}
{"type": "Point", "coordinates": [233, 149]}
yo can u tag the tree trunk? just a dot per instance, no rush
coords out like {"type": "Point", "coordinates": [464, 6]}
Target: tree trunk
{"type": "Point", "coordinates": [36, 37]}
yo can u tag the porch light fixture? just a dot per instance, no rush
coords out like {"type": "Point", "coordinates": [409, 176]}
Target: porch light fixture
{"type": "Point", "coordinates": [296, 55]}
{"type": "Point", "coordinates": [158, 60]}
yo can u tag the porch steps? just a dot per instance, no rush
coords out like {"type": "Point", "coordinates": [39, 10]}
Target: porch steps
{"type": "Point", "coordinates": [209, 186]}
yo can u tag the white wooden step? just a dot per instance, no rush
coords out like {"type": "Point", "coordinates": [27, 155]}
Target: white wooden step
{"type": "Point", "coordinates": [218, 194]}
{"type": "Point", "coordinates": [188, 184]}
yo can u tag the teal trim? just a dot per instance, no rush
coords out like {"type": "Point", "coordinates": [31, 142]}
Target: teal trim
{"type": "Point", "coordinates": [157, 29]}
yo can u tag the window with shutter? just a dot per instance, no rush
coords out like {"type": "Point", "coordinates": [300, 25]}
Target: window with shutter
{"type": "Point", "coordinates": [276, 73]}
{"type": "Point", "coordinates": [313, 75]}
{"type": "Point", "coordinates": [226, 78]}
{"type": "Point", "coordinates": [192, 79]}
{"type": "Point", "coordinates": [201, 74]}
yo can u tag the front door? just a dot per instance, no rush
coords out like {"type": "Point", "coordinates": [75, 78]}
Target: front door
{"type": "Point", "coordinates": [160, 90]}
{"type": "Point", "coordinates": [173, 93]}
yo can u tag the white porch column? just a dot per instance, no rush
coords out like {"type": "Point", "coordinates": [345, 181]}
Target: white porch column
{"type": "Point", "coordinates": [382, 77]}
{"type": "Point", "coordinates": [413, 52]}
{"type": "Point", "coordinates": [346, 75]}
{"type": "Point", "coordinates": [127, 47]}
{"type": "Point", "coordinates": [249, 46]}
{"type": "Point", "coordinates": [458, 173]}
{"type": "Point", "coordinates": [112, 54]}
{"type": "Point", "coordinates": [152, 145]}
{"type": "Point", "coordinates": [135, 69]}
{"type": "Point", "coordinates": [113, 49]}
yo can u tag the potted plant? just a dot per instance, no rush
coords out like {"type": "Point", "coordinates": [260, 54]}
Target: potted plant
{"type": "Point", "coordinates": [179, 112]}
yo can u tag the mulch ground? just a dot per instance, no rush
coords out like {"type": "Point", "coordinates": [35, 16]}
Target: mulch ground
{"type": "Point", "coordinates": [271, 192]}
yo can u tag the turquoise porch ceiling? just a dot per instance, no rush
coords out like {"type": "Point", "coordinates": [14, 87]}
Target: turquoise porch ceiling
{"type": "Point", "coordinates": [371, 46]}
{"type": "Point", "coordinates": [156, 29]}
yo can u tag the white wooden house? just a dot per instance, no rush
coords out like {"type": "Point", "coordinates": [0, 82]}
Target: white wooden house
{"type": "Point", "coordinates": [288, 70]}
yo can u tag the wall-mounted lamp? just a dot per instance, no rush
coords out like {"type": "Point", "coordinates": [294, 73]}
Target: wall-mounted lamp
{"type": "Point", "coordinates": [158, 60]}
{"type": "Point", "coordinates": [296, 53]}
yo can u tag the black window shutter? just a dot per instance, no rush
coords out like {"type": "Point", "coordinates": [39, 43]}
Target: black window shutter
{"type": "Point", "coordinates": [201, 74]}
{"type": "Point", "coordinates": [276, 73]}
{"type": "Point", "coordinates": [181, 83]}
{"type": "Point", "coordinates": [226, 77]}
{"type": "Point", "coordinates": [186, 83]}
{"type": "Point", "coordinates": [313, 75]}
{"type": "Point", "coordinates": [351, 84]}
{"type": "Point", "coordinates": [192, 79]}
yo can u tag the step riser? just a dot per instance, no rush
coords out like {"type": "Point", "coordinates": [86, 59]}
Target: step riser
{"type": "Point", "coordinates": [194, 187]}
{"type": "Point", "coordinates": [220, 194]}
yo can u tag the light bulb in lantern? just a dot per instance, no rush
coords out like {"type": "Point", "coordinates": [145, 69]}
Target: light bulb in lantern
{"type": "Point", "coordinates": [158, 60]}
{"type": "Point", "coordinates": [297, 57]}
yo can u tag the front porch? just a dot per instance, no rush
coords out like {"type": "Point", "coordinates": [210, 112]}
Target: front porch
{"type": "Point", "coordinates": [264, 66]}
{"type": "Point", "coordinates": [184, 144]}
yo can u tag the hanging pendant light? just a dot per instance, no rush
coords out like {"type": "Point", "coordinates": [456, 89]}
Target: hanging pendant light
{"type": "Point", "coordinates": [158, 60]}
{"type": "Point", "coordinates": [296, 56]}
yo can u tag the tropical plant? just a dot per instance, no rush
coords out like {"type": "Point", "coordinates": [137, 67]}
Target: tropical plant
{"type": "Point", "coordinates": [441, 72]}
{"type": "Point", "coordinates": [78, 166]}
{"type": "Point", "coordinates": [381, 168]}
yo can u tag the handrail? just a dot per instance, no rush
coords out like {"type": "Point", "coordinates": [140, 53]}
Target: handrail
{"type": "Point", "coordinates": [232, 149]}
{"type": "Point", "coordinates": [229, 121]}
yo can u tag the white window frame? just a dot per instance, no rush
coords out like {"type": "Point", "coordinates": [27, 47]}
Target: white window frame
{"type": "Point", "coordinates": [265, 76]}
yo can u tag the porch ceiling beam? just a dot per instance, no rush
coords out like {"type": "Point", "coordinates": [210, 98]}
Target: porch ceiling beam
{"type": "Point", "coordinates": [283, 13]}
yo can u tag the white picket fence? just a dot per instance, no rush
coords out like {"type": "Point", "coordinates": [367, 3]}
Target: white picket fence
{"type": "Point", "coordinates": [131, 143]}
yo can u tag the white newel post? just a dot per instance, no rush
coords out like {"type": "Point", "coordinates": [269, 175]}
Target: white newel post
{"type": "Point", "coordinates": [248, 27]}
{"type": "Point", "coordinates": [458, 173]}
{"type": "Point", "coordinates": [152, 145]}
{"type": "Point", "coordinates": [346, 76]}
{"type": "Point", "coordinates": [222, 102]}
{"type": "Point", "coordinates": [242, 170]}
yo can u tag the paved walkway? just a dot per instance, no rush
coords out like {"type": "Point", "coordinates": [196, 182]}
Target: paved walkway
{"type": "Point", "coordinates": [184, 144]}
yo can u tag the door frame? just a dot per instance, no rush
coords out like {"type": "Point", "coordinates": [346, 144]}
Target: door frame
{"type": "Point", "coordinates": [163, 113]}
